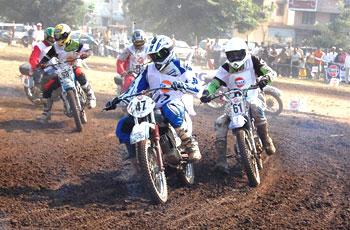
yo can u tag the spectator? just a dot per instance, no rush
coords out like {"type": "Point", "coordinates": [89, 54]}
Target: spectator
{"type": "Point", "coordinates": [347, 67]}
{"type": "Point", "coordinates": [310, 62]}
{"type": "Point", "coordinates": [283, 62]}
{"type": "Point", "coordinates": [208, 50]}
{"type": "Point", "coordinates": [38, 34]}
{"type": "Point", "coordinates": [319, 55]}
{"type": "Point", "coordinates": [12, 30]}
{"type": "Point", "coordinates": [295, 62]}
{"type": "Point", "coordinates": [340, 58]}
{"type": "Point", "coordinates": [216, 53]}
{"type": "Point", "coordinates": [272, 56]}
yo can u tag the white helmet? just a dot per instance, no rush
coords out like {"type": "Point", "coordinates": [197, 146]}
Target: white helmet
{"type": "Point", "coordinates": [236, 52]}
{"type": "Point", "coordinates": [160, 50]}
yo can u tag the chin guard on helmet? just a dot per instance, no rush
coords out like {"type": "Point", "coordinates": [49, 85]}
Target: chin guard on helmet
{"type": "Point", "coordinates": [236, 52]}
{"type": "Point", "coordinates": [161, 51]}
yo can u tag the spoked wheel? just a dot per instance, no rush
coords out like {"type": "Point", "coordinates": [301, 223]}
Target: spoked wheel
{"type": "Point", "coordinates": [249, 161]}
{"type": "Point", "coordinates": [186, 174]}
{"type": "Point", "coordinates": [75, 109]}
{"type": "Point", "coordinates": [34, 95]}
{"type": "Point", "coordinates": [154, 177]}
{"type": "Point", "coordinates": [274, 104]}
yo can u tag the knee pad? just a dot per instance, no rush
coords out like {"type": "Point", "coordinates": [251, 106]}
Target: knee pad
{"type": "Point", "coordinates": [174, 113]}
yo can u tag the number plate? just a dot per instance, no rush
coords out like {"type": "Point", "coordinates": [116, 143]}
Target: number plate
{"type": "Point", "coordinates": [141, 106]}
{"type": "Point", "coordinates": [237, 106]}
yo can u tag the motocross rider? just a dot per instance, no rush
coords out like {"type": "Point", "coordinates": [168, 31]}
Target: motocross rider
{"type": "Point", "coordinates": [241, 70]}
{"type": "Point", "coordinates": [65, 49]}
{"type": "Point", "coordinates": [39, 51]}
{"type": "Point", "coordinates": [164, 71]}
{"type": "Point", "coordinates": [132, 59]}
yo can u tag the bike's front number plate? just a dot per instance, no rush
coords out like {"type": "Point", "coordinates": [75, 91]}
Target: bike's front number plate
{"type": "Point", "coordinates": [237, 106]}
{"type": "Point", "coordinates": [141, 106]}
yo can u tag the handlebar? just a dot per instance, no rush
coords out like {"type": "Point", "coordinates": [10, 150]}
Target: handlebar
{"type": "Point", "coordinates": [113, 106]}
{"type": "Point", "coordinates": [235, 90]}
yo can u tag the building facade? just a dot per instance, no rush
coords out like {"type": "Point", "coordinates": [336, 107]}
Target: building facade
{"type": "Point", "coordinates": [293, 20]}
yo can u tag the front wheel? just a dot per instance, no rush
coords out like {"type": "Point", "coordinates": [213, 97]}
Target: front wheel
{"type": "Point", "coordinates": [75, 109]}
{"type": "Point", "coordinates": [274, 104]}
{"type": "Point", "coordinates": [154, 176]}
{"type": "Point", "coordinates": [249, 161]}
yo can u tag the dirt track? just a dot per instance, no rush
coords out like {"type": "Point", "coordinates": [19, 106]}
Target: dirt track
{"type": "Point", "coordinates": [52, 177]}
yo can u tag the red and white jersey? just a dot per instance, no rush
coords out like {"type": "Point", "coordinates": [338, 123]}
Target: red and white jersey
{"type": "Point", "coordinates": [39, 51]}
{"type": "Point", "coordinates": [135, 57]}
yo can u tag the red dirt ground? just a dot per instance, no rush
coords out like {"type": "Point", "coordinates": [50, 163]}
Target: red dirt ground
{"type": "Point", "coordinates": [51, 177]}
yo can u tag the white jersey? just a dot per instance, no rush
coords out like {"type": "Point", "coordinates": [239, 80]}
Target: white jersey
{"type": "Point", "coordinates": [242, 79]}
{"type": "Point", "coordinates": [43, 49]}
{"type": "Point", "coordinates": [135, 57]}
{"type": "Point", "coordinates": [151, 78]}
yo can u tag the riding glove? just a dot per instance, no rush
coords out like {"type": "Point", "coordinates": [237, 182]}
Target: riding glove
{"type": "Point", "coordinates": [178, 85]}
{"type": "Point", "coordinates": [205, 98]}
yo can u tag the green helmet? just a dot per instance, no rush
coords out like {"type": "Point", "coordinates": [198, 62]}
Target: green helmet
{"type": "Point", "coordinates": [49, 35]}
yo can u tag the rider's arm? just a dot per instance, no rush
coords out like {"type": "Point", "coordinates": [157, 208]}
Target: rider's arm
{"type": "Point", "coordinates": [34, 57]}
{"type": "Point", "coordinates": [262, 69]}
{"type": "Point", "coordinates": [123, 61]}
{"type": "Point", "coordinates": [214, 85]}
{"type": "Point", "coordinates": [50, 54]}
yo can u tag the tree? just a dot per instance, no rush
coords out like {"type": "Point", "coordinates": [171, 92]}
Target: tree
{"type": "Point", "coordinates": [49, 12]}
{"type": "Point", "coordinates": [188, 18]}
{"type": "Point", "coordinates": [335, 33]}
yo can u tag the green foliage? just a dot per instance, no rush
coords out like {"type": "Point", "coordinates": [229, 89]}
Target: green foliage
{"type": "Point", "coordinates": [188, 18]}
{"type": "Point", "coordinates": [335, 33]}
{"type": "Point", "coordinates": [49, 12]}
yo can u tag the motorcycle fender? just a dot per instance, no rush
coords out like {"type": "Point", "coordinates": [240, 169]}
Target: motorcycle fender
{"type": "Point", "coordinates": [27, 81]}
{"type": "Point", "coordinates": [237, 122]}
{"type": "Point", "coordinates": [140, 132]}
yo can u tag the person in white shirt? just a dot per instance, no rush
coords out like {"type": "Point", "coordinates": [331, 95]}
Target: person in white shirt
{"type": "Point", "coordinates": [38, 34]}
{"type": "Point", "coordinates": [347, 67]}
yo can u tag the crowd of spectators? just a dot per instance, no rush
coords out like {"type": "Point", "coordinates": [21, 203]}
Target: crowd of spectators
{"type": "Point", "coordinates": [306, 62]}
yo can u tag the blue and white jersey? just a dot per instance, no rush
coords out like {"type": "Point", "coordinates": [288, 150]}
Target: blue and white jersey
{"type": "Point", "coordinates": [151, 78]}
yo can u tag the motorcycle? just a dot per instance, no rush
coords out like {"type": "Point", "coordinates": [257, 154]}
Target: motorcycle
{"type": "Point", "coordinates": [157, 146]}
{"type": "Point", "coordinates": [73, 97]}
{"type": "Point", "coordinates": [270, 95]}
{"type": "Point", "coordinates": [248, 145]}
{"type": "Point", "coordinates": [33, 90]}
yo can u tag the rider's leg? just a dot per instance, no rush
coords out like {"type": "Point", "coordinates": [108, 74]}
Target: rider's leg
{"type": "Point", "coordinates": [129, 171]}
{"type": "Point", "coordinates": [85, 85]}
{"type": "Point", "coordinates": [174, 113]}
{"type": "Point", "coordinates": [262, 129]}
{"type": "Point", "coordinates": [221, 128]}
{"type": "Point", "coordinates": [48, 88]}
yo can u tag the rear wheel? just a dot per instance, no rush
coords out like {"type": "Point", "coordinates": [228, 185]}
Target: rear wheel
{"type": "Point", "coordinates": [249, 161]}
{"type": "Point", "coordinates": [75, 109]}
{"type": "Point", "coordinates": [274, 104]}
{"type": "Point", "coordinates": [154, 177]}
{"type": "Point", "coordinates": [33, 95]}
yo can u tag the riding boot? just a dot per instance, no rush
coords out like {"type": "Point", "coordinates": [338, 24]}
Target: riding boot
{"type": "Point", "coordinates": [266, 140]}
{"type": "Point", "coordinates": [221, 161]}
{"type": "Point", "coordinates": [189, 143]}
{"type": "Point", "coordinates": [90, 95]}
{"type": "Point", "coordinates": [46, 115]}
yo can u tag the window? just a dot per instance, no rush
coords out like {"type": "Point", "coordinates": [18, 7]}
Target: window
{"type": "Point", "coordinates": [308, 18]}
{"type": "Point", "coordinates": [280, 9]}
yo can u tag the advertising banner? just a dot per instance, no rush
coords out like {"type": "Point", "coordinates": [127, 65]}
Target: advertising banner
{"type": "Point", "coordinates": [303, 5]}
